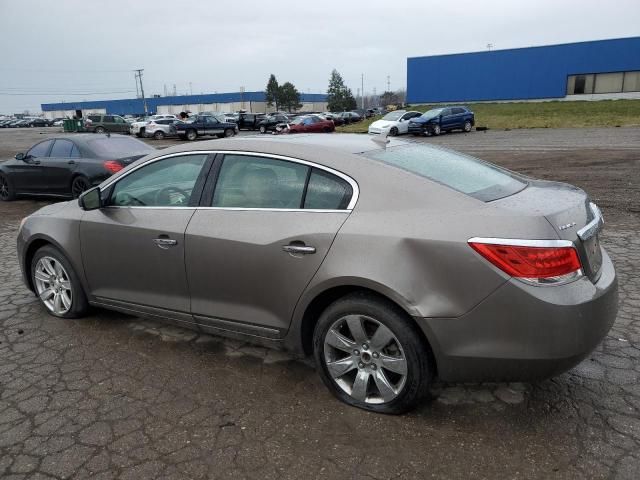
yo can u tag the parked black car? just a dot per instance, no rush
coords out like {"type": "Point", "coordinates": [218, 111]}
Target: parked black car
{"type": "Point", "coordinates": [66, 166]}
{"type": "Point", "coordinates": [438, 120]}
{"type": "Point", "coordinates": [350, 117]}
{"type": "Point", "coordinates": [270, 122]}
{"type": "Point", "coordinates": [249, 121]}
{"type": "Point", "coordinates": [39, 122]}
{"type": "Point", "coordinates": [19, 124]}
{"type": "Point", "coordinates": [5, 123]}
{"type": "Point", "coordinates": [201, 125]}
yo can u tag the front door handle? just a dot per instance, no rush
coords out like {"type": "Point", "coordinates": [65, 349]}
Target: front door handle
{"type": "Point", "coordinates": [165, 243]}
{"type": "Point", "coordinates": [300, 249]}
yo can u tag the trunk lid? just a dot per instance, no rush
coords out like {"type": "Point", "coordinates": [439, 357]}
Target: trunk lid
{"type": "Point", "coordinates": [570, 213]}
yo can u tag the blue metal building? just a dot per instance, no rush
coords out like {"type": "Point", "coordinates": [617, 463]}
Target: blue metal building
{"type": "Point", "coordinates": [135, 106]}
{"type": "Point", "coordinates": [598, 69]}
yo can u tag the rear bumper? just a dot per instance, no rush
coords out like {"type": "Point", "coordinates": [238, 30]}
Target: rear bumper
{"type": "Point", "coordinates": [523, 332]}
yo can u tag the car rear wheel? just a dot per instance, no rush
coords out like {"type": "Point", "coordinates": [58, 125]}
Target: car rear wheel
{"type": "Point", "coordinates": [393, 132]}
{"type": "Point", "coordinates": [370, 356]}
{"type": "Point", "coordinates": [158, 135]}
{"type": "Point", "coordinates": [99, 130]}
{"type": "Point", "coordinates": [7, 193]}
{"type": "Point", "coordinates": [79, 185]}
{"type": "Point", "coordinates": [467, 126]}
{"type": "Point", "coordinates": [191, 135]}
{"type": "Point", "coordinates": [57, 284]}
{"type": "Point", "coordinates": [263, 129]}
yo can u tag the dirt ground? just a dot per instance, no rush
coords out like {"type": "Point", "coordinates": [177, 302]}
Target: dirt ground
{"type": "Point", "coordinates": [112, 396]}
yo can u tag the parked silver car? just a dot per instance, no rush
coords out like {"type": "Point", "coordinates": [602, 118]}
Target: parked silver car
{"type": "Point", "coordinates": [390, 263]}
{"type": "Point", "coordinates": [162, 128]}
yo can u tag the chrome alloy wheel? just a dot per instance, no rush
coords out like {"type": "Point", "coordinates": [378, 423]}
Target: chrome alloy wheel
{"type": "Point", "coordinates": [365, 359]}
{"type": "Point", "coordinates": [53, 285]}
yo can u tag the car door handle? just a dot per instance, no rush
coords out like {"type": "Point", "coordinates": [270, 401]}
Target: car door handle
{"type": "Point", "coordinates": [303, 249]}
{"type": "Point", "coordinates": [164, 242]}
{"type": "Point", "coordinates": [71, 162]}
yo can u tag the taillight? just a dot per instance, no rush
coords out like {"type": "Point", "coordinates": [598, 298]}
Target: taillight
{"type": "Point", "coordinates": [113, 166]}
{"type": "Point", "coordinates": [540, 262]}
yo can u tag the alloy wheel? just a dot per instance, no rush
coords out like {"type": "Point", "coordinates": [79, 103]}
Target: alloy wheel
{"type": "Point", "coordinates": [80, 184]}
{"type": "Point", "coordinates": [365, 359]}
{"type": "Point", "coordinates": [4, 188]}
{"type": "Point", "coordinates": [53, 285]}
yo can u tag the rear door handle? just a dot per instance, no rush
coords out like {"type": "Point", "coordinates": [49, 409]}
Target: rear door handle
{"type": "Point", "coordinates": [301, 249]}
{"type": "Point", "coordinates": [165, 243]}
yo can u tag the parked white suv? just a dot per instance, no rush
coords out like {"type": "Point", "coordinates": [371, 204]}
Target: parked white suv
{"type": "Point", "coordinates": [138, 128]}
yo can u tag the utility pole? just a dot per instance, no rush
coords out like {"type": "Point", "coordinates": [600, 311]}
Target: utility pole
{"type": "Point", "coordinates": [144, 100]}
{"type": "Point", "coordinates": [362, 83]}
{"type": "Point", "coordinates": [190, 89]}
{"type": "Point", "coordinates": [388, 83]}
{"type": "Point", "coordinates": [489, 46]}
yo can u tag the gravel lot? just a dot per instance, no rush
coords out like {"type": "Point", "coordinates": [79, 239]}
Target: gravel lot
{"type": "Point", "coordinates": [114, 396]}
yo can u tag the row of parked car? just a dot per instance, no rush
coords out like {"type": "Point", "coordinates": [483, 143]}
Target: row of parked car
{"type": "Point", "coordinates": [431, 122]}
{"type": "Point", "coordinates": [30, 122]}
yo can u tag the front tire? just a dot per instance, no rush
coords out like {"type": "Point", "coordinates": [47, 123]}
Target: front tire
{"type": "Point", "coordinates": [393, 132]}
{"type": "Point", "coordinates": [191, 135]}
{"type": "Point", "coordinates": [229, 133]}
{"type": "Point", "coordinates": [57, 284]}
{"type": "Point", "coordinates": [371, 356]}
{"type": "Point", "coordinates": [7, 192]}
{"type": "Point", "coordinates": [467, 126]}
{"type": "Point", "coordinates": [263, 129]}
{"type": "Point", "coordinates": [436, 130]}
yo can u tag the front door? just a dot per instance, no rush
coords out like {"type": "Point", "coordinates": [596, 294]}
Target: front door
{"type": "Point", "coordinates": [212, 126]}
{"type": "Point", "coordinates": [133, 249]}
{"type": "Point", "coordinates": [251, 254]}
{"type": "Point", "coordinates": [28, 173]}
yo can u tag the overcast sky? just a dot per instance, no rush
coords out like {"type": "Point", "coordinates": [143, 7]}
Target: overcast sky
{"type": "Point", "coordinates": [86, 50]}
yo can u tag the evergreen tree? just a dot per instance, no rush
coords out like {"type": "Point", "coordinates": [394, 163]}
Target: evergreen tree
{"type": "Point", "coordinates": [272, 92]}
{"type": "Point", "coordinates": [289, 97]}
{"type": "Point", "coordinates": [339, 97]}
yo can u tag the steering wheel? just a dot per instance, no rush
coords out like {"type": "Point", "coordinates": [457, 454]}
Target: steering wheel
{"type": "Point", "coordinates": [126, 199]}
{"type": "Point", "coordinates": [165, 194]}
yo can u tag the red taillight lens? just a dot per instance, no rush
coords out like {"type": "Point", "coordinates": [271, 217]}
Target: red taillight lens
{"type": "Point", "coordinates": [113, 166]}
{"type": "Point", "coordinates": [530, 262]}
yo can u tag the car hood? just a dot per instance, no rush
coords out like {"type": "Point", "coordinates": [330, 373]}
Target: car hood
{"type": "Point", "coordinates": [422, 119]}
{"type": "Point", "coordinates": [384, 124]}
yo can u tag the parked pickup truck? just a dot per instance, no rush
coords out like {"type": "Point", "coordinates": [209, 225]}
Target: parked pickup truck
{"type": "Point", "coordinates": [202, 125]}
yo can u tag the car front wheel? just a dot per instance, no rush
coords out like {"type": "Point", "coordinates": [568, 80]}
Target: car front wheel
{"type": "Point", "coordinates": [57, 284]}
{"type": "Point", "coordinates": [192, 135]}
{"type": "Point", "coordinates": [436, 130]}
{"type": "Point", "coordinates": [467, 126]}
{"type": "Point", "coordinates": [371, 356]}
{"type": "Point", "coordinates": [263, 129]}
{"type": "Point", "coordinates": [7, 193]}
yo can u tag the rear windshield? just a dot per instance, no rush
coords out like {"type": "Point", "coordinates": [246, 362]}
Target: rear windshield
{"type": "Point", "coordinates": [465, 174]}
{"type": "Point", "coordinates": [119, 147]}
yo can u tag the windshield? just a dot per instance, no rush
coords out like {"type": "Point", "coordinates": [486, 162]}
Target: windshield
{"type": "Point", "coordinates": [393, 115]}
{"type": "Point", "coordinates": [119, 147]}
{"type": "Point", "coordinates": [432, 113]}
{"type": "Point", "coordinates": [465, 174]}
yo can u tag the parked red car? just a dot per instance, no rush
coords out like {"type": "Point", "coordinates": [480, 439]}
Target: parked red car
{"type": "Point", "coordinates": [311, 124]}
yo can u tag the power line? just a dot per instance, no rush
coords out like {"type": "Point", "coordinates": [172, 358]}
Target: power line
{"type": "Point", "coordinates": [65, 93]}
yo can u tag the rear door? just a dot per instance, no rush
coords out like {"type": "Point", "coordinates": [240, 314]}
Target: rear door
{"type": "Point", "coordinates": [120, 124]}
{"type": "Point", "coordinates": [133, 249]}
{"type": "Point", "coordinates": [259, 238]}
{"type": "Point", "coordinates": [58, 168]}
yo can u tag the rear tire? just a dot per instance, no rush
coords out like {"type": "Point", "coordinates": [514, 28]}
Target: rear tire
{"type": "Point", "coordinates": [158, 135]}
{"type": "Point", "coordinates": [52, 275]}
{"type": "Point", "coordinates": [7, 192]}
{"type": "Point", "coordinates": [371, 356]}
{"type": "Point", "coordinates": [79, 185]}
{"type": "Point", "coordinates": [99, 130]}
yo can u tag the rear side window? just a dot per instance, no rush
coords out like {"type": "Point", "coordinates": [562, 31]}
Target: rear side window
{"type": "Point", "coordinates": [94, 118]}
{"type": "Point", "coordinates": [61, 148]}
{"type": "Point", "coordinates": [258, 182]}
{"type": "Point", "coordinates": [327, 192]}
{"type": "Point", "coordinates": [465, 174]}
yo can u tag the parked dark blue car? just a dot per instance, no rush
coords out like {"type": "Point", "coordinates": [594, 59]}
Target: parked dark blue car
{"type": "Point", "coordinates": [444, 119]}
{"type": "Point", "coordinates": [201, 125]}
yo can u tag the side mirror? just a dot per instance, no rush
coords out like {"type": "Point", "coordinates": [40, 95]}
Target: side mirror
{"type": "Point", "coordinates": [91, 199]}
{"type": "Point", "coordinates": [20, 156]}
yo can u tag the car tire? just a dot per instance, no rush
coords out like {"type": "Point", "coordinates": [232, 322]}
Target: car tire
{"type": "Point", "coordinates": [99, 130]}
{"type": "Point", "coordinates": [7, 192]}
{"type": "Point", "coordinates": [391, 377]}
{"type": "Point", "coordinates": [60, 281]}
{"type": "Point", "coordinates": [229, 132]}
{"type": "Point", "coordinates": [436, 130]}
{"type": "Point", "coordinates": [191, 135]}
{"type": "Point", "coordinates": [263, 129]}
{"type": "Point", "coordinates": [79, 184]}
{"type": "Point", "coordinates": [467, 126]}
{"type": "Point", "coordinates": [393, 132]}
{"type": "Point", "coordinates": [158, 135]}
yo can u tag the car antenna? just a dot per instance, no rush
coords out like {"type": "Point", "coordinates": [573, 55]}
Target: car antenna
{"type": "Point", "coordinates": [381, 139]}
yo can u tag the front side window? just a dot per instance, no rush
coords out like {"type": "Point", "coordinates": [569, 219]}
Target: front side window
{"type": "Point", "coordinates": [327, 192]}
{"type": "Point", "coordinates": [107, 119]}
{"type": "Point", "coordinates": [164, 183]}
{"type": "Point", "coordinates": [258, 182]}
{"type": "Point", "coordinates": [39, 150]}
